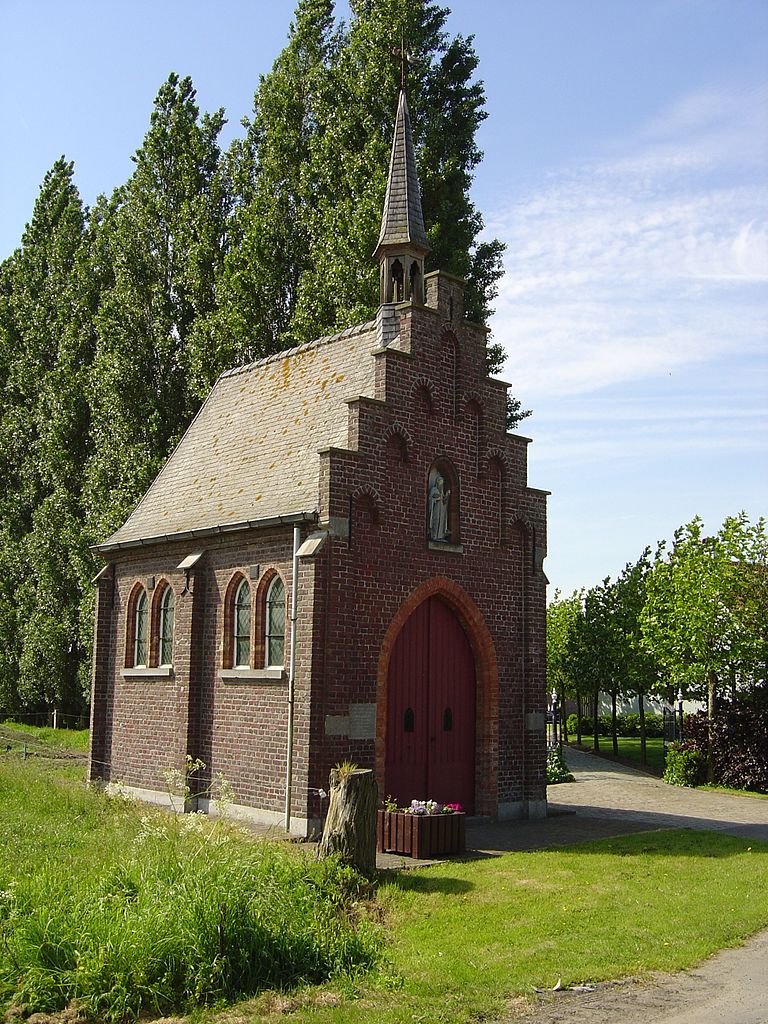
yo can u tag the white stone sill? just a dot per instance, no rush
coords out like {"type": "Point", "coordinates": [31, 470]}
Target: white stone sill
{"type": "Point", "coordinates": [252, 675]}
{"type": "Point", "coordinates": [141, 671]}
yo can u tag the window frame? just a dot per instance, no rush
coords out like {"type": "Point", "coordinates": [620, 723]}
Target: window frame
{"type": "Point", "coordinates": [140, 616]}
{"type": "Point", "coordinates": [166, 597]}
{"type": "Point", "coordinates": [239, 636]}
{"type": "Point", "coordinates": [269, 608]}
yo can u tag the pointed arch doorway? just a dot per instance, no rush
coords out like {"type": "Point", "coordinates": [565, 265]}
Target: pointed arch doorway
{"type": "Point", "coordinates": [431, 696]}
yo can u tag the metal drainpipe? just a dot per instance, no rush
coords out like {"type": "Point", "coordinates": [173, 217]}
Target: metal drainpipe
{"type": "Point", "coordinates": [292, 676]}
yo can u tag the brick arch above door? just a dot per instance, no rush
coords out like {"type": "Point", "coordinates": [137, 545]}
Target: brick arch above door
{"type": "Point", "coordinates": [487, 679]}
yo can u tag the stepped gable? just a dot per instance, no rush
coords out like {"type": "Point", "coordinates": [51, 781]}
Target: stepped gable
{"type": "Point", "coordinates": [251, 452]}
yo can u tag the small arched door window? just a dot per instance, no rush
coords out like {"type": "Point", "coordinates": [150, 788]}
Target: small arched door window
{"type": "Point", "coordinates": [274, 633]}
{"type": "Point", "coordinates": [166, 628]}
{"type": "Point", "coordinates": [241, 647]}
{"type": "Point", "coordinates": [141, 631]}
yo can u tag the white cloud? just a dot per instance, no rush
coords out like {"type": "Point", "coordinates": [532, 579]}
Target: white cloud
{"type": "Point", "coordinates": [643, 264]}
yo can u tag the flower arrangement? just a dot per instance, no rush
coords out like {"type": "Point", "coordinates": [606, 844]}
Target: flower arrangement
{"type": "Point", "coordinates": [424, 807]}
{"type": "Point", "coordinates": [426, 828]}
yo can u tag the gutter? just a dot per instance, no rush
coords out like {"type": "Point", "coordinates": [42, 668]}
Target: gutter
{"type": "Point", "coordinates": [209, 531]}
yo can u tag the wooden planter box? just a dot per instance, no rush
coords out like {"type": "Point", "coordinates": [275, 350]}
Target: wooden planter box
{"type": "Point", "coordinates": [420, 835]}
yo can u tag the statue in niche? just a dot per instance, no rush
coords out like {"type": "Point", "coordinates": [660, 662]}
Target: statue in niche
{"type": "Point", "coordinates": [439, 498]}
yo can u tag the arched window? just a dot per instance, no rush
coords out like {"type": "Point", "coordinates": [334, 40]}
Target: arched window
{"type": "Point", "coordinates": [166, 628]}
{"type": "Point", "coordinates": [241, 619]}
{"type": "Point", "coordinates": [415, 281]}
{"type": "Point", "coordinates": [274, 623]}
{"type": "Point", "coordinates": [397, 281]}
{"type": "Point", "coordinates": [141, 631]}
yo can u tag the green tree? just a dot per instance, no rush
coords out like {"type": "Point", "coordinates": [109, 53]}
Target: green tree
{"type": "Point", "coordinates": [702, 618]}
{"type": "Point", "coordinates": [46, 346]}
{"type": "Point", "coordinates": [158, 244]}
{"type": "Point", "coordinates": [562, 613]}
{"type": "Point", "coordinates": [276, 183]}
{"type": "Point", "coordinates": [310, 176]}
{"type": "Point", "coordinates": [638, 668]}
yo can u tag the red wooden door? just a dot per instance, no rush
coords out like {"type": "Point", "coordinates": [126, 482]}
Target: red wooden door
{"type": "Point", "coordinates": [430, 747]}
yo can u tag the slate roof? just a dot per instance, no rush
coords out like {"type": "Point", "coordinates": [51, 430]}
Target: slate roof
{"type": "Point", "coordinates": [251, 452]}
{"type": "Point", "coordinates": [403, 220]}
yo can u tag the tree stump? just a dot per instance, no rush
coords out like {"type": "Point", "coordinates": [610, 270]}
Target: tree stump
{"type": "Point", "coordinates": [350, 827]}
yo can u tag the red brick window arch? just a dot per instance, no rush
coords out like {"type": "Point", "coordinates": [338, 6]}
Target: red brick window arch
{"type": "Point", "coordinates": [137, 629]}
{"type": "Point", "coordinates": [238, 603]}
{"type": "Point", "coordinates": [161, 633]}
{"type": "Point", "coordinates": [443, 503]}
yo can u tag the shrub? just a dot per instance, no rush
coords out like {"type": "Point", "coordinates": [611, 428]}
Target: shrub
{"type": "Point", "coordinates": [684, 766]}
{"type": "Point", "coordinates": [739, 745]}
{"type": "Point", "coordinates": [557, 769]}
{"type": "Point", "coordinates": [654, 726]}
{"type": "Point", "coordinates": [573, 721]}
{"type": "Point", "coordinates": [626, 725]}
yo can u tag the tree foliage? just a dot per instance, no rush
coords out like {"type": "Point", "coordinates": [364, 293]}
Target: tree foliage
{"type": "Point", "coordinates": [46, 347]}
{"type": "Point", "coordinates": [692, 618]}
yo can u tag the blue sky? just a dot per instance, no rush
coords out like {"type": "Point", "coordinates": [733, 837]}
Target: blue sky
{"type": "Point", "coordinates": [626, 168]}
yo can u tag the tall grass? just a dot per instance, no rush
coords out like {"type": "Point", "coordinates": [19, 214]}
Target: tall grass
{"type": "Point", "coordinates": [179, 912]}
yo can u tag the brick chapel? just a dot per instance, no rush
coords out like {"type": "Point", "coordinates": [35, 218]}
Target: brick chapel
{"type": "Point", "coordinates": [341, 560]}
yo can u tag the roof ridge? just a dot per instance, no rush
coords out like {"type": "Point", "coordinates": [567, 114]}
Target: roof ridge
{"type": "Point", "coordinates": [348, 332]}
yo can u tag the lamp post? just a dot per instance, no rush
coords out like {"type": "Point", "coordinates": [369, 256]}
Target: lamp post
{"type": "Point", "coordinates": [680, 712]}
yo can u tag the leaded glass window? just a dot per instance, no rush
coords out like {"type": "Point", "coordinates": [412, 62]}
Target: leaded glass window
{"type": "Point", "coordinates": [166, 628]}
{"type": "Point", "coordinates": [141, 631]}
{"type": "Point", "coordinates": [242, 625]}
{"type": "Point", "coordinates": [275, 623]}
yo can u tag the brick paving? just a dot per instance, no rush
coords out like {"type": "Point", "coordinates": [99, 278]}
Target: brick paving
{"type": "Point", "coordinates": [608, 799]}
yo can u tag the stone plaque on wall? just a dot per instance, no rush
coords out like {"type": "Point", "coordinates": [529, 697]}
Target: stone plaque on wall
{"type": "Point", "coordinates": [336, 725]}
{"type": "Point", "coordinates": [362, 721]}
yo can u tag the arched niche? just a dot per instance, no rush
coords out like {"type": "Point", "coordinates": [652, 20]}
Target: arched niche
{"type": "Point", "coordinates": [443, 519]}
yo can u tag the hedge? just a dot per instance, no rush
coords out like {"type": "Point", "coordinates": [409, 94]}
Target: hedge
{"type": "Point", "coordinates": [626, 725]}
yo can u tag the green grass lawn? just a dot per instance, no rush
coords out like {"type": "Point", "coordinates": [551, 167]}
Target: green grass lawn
{"type": "Point", "coordinates": [15, 734]}
{"type": "Point", "coordinates": [629, 750]}
{"type": "Point", "coordinates": [459, 940]}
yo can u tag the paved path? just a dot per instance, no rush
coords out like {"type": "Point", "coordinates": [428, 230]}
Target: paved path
{"type": "Point", "coordinates": [610, 792]}
{"type": "Point", "coordinates": [609, 799]}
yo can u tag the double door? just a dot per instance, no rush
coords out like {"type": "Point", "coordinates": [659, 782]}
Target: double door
{"type": "Point", "coordinates": [430, 742]}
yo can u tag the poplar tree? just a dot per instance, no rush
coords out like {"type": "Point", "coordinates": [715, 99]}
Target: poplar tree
{"type": "Point", "coordinates": [158, 244]}
{"type": "Point", "coordinates": [46, 343]}
{"type": "Point", "coordinates": [275, 182]}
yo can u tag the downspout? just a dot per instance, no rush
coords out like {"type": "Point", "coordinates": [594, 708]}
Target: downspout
{"type": "Point", "coordinates": [292, 676]}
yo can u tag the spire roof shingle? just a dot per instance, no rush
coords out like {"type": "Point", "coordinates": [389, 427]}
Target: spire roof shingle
{"type": "Point", "coordinates": [403, 220]}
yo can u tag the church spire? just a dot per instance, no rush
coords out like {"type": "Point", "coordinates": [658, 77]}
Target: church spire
{"type": "Point", "coordinates": [402, 243]}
